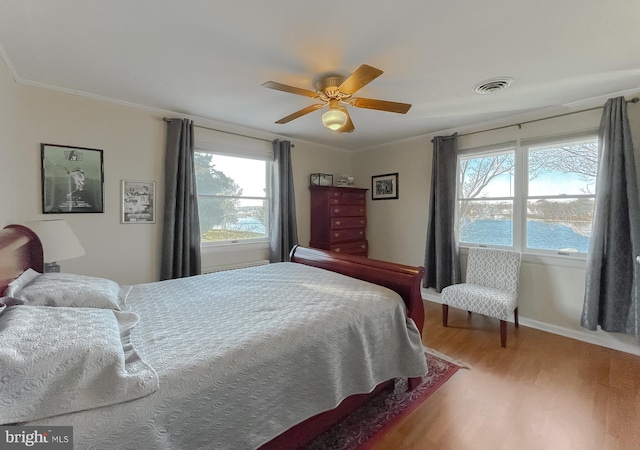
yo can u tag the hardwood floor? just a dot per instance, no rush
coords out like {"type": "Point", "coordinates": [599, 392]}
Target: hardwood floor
{"type": "Point", "coordinates": [542, 391]}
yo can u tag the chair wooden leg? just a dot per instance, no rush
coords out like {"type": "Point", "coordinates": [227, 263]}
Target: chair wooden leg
{"type": "Point", "coordinates": [515, 316]}
{"type": "Point", "coordinates": [503, 333]}
{"type": "Point", "coordinates": [445, 314]}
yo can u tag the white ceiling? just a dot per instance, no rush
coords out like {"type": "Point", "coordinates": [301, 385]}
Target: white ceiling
{"type": "Point", "coordinates": [208, 58]}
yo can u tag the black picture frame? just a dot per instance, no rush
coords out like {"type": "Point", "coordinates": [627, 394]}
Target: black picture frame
{"type": "Point", "coordinates": [384, 187]}
{"type": "Point", "coordinates": [72, 179]}
{"type": "Point", "coordinates": [321, 179]}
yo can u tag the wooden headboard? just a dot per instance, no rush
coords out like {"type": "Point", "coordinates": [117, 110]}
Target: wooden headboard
{"type": "Point", "coordinates": [405, 280]}
{"type": "Point", "coordinates": [20, 249]}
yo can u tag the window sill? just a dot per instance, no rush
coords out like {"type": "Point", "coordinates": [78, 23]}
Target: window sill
{"type": "Point", "coordinates": [223, 256]}
{"type": "Point", "coordinates": [225, 246]}
{"type": "Point", "coordinates": [575, 262]}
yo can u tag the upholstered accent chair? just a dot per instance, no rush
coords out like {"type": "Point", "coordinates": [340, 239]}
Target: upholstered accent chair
{"type": "Point", "coordinates": [490, 288]}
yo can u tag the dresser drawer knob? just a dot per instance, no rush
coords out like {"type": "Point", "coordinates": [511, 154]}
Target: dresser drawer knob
{"type": "Point", "coordinates": [336, 234]}
{"type": "Point", "coordinates": [363, 246]}
{"type": "Point", "coordinates": [337, 222]}
{"type": "Point", "coordinates": [337, 250]}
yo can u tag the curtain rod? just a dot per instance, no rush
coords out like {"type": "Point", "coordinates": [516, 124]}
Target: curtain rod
{"type": "Point", "coordinates": [519, 125]}
{"type": "Point", "coordinates": [228, 132]}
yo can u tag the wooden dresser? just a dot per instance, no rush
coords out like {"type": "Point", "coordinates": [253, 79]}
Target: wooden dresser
{"type": "Point", "coordinates": [338, 219]}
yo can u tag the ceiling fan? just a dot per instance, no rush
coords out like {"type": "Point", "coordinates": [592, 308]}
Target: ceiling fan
{"type": "Point", "coordinates": [332, 90]}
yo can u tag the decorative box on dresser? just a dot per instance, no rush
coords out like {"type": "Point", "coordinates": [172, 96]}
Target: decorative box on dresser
{"type": "Point", "coordinates": [339, 219]}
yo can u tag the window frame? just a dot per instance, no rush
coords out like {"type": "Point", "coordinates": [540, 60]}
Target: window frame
{"type": "Point", "coordinates": [521, 196]}
{"type": "Point", "coordinates": [478, 152]}
{"type": "Point", "coordinates": [251, 242]}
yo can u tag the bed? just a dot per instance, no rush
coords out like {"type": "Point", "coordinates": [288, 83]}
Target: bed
{"type": "Point", "coordinates": [263, 357]}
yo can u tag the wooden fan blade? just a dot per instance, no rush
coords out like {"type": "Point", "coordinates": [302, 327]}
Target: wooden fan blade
{"type": "Point", "coordinates": [381, 105]}
{"type": "Point", "coordinates": [291, 89]}
{"type": "Point", "coordinates": [347, 127]}
{"type": "Point", "coordinates": [301, 113]}
{"type": "Point", "coordinates": [361, 77]}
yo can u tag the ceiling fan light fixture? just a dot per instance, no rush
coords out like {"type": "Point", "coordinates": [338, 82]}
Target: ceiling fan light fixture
{"type": "Point", "coordinates": [334, 119]}
{"type": "Point", "coordinates": [331, 90]}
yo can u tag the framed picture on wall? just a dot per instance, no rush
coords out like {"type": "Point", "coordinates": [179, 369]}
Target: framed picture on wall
{"type": "Point", "coordinates": [72, 179]}
{"type": "Point", "coordinates": [384, 187]}
{"type": "Point", "coordinates": [138, 201]}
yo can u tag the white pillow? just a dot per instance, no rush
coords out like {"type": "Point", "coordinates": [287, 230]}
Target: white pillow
{"type": "Point", "coordinates": [25, 278]}
{"type": "Point", "coordinates": [64, 289]}
{"type": "Point", "coordinates": [60, 360]}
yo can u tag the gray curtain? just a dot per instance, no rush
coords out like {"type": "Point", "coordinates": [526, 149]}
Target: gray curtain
{"type": "Point", "coordinates": [611, 292]}
{"type": "Point", "coordinates": [282, 214]}
{"type": "Point", "coordinates": [181, 228]}
{"type": "Point", "coordinates": [442, 261]}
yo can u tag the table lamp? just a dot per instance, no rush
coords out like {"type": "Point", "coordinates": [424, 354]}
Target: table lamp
{"type": "Point", "coordinates": [58, 241]}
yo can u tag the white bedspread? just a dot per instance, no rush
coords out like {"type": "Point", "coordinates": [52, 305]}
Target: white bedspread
{"type": "Point", "coordinates": [61, 360]}
{"type": "Point", "coordinates": [243, 355]}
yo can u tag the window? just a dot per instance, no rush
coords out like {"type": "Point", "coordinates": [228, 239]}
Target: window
{"type": "Point", "coordinates": [561, 195]}
{"type": "Point", "coordinates": [232, 197]}
{"type": "Point", "coordinates": [232, 173]}
{"type": "Point", "coordinates": [536, 197]}
{"type": "Point", "coordinates": [486, 198]}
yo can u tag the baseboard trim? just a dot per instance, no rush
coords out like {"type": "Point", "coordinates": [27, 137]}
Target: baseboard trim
{"type": "Point", "coordinates": [602, 338]}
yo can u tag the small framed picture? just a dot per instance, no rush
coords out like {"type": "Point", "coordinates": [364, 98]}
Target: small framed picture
{"type": "Point", "coordinates": [384, 187]}
{"type": "Point", "coordinates": [138, 201]}
{"type": "Point", "coordinates": [321, 179]}
{"type": "Point", "coordinates": [72, 179]}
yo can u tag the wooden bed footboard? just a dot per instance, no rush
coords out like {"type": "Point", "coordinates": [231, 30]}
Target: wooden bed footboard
{"type": "Point", "coordinates": [405, 280]}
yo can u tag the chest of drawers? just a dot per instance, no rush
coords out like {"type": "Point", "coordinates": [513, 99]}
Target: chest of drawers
{"type": "Point", "coordinates": [339, 219]}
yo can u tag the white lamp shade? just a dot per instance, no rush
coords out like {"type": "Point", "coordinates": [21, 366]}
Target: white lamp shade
{"type": "Point", "coordinates": [334, 119]}
{"type": "Point", "coordinates": [58, 240]}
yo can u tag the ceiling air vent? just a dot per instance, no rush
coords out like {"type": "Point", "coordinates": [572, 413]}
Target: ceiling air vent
{"type": "Point", "coordinates": [493, 85]}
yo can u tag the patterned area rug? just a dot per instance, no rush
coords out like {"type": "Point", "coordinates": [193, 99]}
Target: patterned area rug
{"type": "Point", "coordinates": [372, 420]}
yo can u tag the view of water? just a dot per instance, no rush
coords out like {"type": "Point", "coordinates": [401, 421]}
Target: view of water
{"type": "Point", "coordinates": [248, 224]}
{"type": "Point", "coordinates": [543, 235]}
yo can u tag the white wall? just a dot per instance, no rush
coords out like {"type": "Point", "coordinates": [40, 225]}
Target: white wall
{"type": "Point", "coordinates": [132, 141]}
{"type": "Point", "coordinates": [396, 229]}
{"type": "Point", "coordinates": [552, 290]}
{"type": "Point", "coordinates": [8, 145]}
